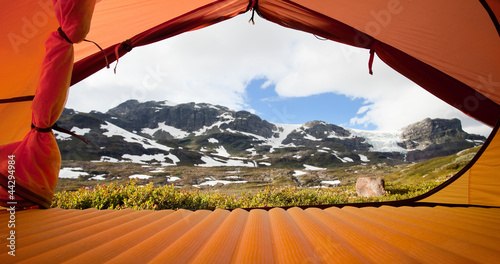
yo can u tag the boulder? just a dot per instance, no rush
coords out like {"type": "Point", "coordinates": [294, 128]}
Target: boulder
{"type": "Point", "coordinates": [370, 187]}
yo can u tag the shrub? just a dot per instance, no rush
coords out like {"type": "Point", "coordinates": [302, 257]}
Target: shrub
{"type": "Point", "coordinates": [140, 197]}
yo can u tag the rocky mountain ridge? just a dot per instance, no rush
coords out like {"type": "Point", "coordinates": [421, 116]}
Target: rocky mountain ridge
{"type": "Point", "coordinates": [200, 134]}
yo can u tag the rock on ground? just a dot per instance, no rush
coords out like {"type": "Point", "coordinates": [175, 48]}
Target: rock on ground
{"type": "Point", "coordinates": [370, 187]}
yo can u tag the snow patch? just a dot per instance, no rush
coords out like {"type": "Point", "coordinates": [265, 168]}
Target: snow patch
{"type": "Point", "coordinates": [335, 182]}
{"type": "Point", "coordinates": [80, 131]}
{"type": "Point", "coordinates": [168, 103]}
{"type": "Point", "coordinates": [139, 176]}
{"type": "Point", "coordinates": [173, 131]}
{"type": "Point", "coordinates": [113, 130]}
{"type": "Point", "coordinates": [476, 142]}
{"type": "Point", "coordinates": [309, 137]}
{"type": "Point", "coordinates": [283, 131]}
{"type": "Point", "coordinates": [221, 151]}
{"type": "Point", "coordinates": [225, 119]}
{"type": "Point", "coordinates": [99, 177]}
{"type": "Point", "coordinates": [213, 183]}
{"type": "Point", "coordinates": [106, 159]}
{"type": "Point", "coordinates": [144, 158]}
{"type": "Point", "coordinates": [173, 178]}
{"type": "Point", "coordinates": [213, 140]}
{"type": "Point", "coordinates": [299, 173]}
{"type": "Point", "coordinates": [363, 158]}
{"type": "Point", "coordinates": [72, 173]}
{"type": "Point", "coordinates": [217, 162]}
{"type": "Point", "coordinates": [310, 167]}
{"type": "Point", "coordinates": [252, 151]}
{"type": "Point", "coordinates": [347, 159]}
{"type": "Point", "coordinates": [62, 136]}
{"type": "Point", "coordinates": [344, 160]}
{"type": "Point", "coordinates": [76, 130]}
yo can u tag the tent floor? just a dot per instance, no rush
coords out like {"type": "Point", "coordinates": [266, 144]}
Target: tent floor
{"type": "Point", "coordinates": [431, 234]}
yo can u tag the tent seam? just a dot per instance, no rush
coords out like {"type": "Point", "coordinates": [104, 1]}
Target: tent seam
{"type": "Point", "coordinates": [17, 99]}
{"type": "Point", "coordinates": [468, 185]}
{"type": "Point", "coordinates": [492, 15]}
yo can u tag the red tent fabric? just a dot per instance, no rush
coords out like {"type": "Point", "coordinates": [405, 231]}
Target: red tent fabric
{"type": "Point", "coordinates": [36, 158]}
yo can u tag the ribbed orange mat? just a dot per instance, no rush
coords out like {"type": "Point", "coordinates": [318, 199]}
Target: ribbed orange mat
{"type": "Point", "coordinates": [348, 235]}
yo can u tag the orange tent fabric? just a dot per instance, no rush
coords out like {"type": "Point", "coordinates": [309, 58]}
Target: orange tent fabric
{"type": "Point", "coordinates": [476, 184]}
{"type": "Point", "coordinates": [422, 234]}
{"type": "Point", "coordinates": [452, 50]}
{"type": "Point", "coordinates": [36, 158]}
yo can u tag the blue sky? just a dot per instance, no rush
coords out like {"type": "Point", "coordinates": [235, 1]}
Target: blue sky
{"type": "Point", "coordinates": [328, 107]}
{"type": "Point", "coordinates": [283, 75]}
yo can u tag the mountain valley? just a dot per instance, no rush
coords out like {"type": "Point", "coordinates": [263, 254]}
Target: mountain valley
{"type": "Point", "coordinates": [204, 145]}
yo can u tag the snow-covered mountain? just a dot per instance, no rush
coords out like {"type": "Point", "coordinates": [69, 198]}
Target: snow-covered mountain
{"type": "Point", "coordinates": [211, 135]}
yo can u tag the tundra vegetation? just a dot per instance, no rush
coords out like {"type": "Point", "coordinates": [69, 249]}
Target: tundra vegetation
{"type": "Point", "coordinates": [178, 187]}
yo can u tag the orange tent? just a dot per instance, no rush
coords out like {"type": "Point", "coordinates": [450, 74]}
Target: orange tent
{"type": "Point", "coordinates": [452, 50]}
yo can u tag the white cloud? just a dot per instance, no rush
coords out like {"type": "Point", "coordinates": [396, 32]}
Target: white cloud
{"type": "Point", "coordinates": [215, 64]}
{"type": "Point", "coordinates": [266, 84]}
